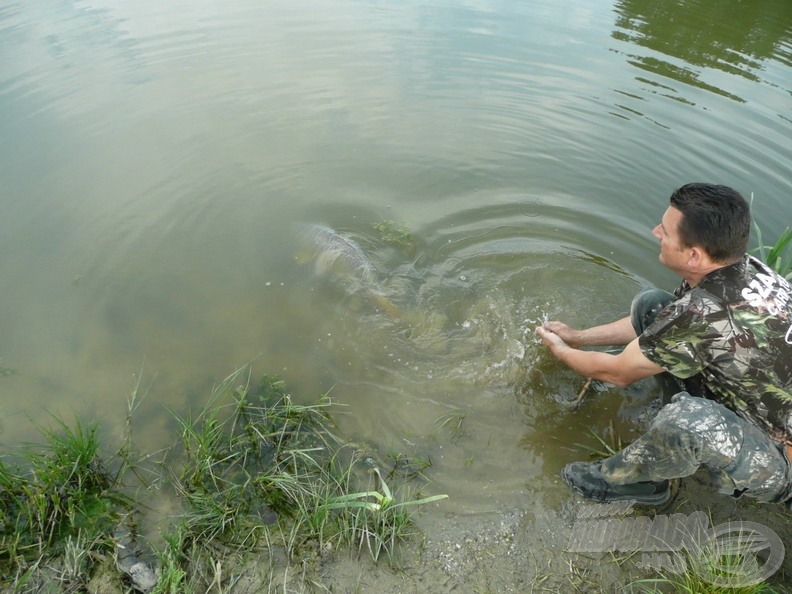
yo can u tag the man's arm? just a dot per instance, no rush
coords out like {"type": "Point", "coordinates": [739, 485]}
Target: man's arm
{"type": "Point", "coordinates": [616, 333]}
{"type": "Point", "coordinates": [623, 369]}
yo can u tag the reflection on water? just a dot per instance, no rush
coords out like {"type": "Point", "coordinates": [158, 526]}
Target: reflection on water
{"type": "Point", "coordinates": [694, 36]}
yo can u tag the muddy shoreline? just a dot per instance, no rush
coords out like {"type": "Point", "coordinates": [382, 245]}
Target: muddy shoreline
{"type": "Point", "coordinates": [516, 551]}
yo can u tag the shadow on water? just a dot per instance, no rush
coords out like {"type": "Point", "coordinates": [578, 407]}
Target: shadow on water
{"type": "Point", "coordinates": [692, 37]}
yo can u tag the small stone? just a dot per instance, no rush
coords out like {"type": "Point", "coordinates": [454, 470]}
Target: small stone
{"type": "Point", "coordinates": [142, 577]}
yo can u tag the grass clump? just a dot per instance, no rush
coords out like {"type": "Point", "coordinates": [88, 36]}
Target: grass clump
{"type": "Point", "coordinates": [259, 468]}
{"type": "Point", "coordinates": [733, 557]}
{"type": "Point", "coordinates": [59, 502]}
{"type": "Point", "coordinates": [777, 256]}
{"type": "Point", "coordinates": [692, 583]}
{"type": "Point", "coordinates": [247, 458]}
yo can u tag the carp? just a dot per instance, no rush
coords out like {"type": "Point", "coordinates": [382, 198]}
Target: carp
{"type": "Point", "coordinates": [341, 258]}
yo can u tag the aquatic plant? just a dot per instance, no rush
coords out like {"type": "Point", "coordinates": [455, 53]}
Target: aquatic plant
{"type": "Point", "coordinates": [777, 256]}
{"type": "Point", "coordinates": [453, 423]}
{"type": "Point", "coordinates": [407, 467]}
{"type": "Point", "coordinates": [610, 443]}
{"type": "Point", "coordinates": [395, 234]}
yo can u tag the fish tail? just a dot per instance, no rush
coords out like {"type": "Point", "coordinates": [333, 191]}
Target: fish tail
{"type": "Point", "coordinates": [386, 305]}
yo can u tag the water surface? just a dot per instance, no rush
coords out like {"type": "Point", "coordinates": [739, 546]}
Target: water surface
{"type": "Point", "coordinates": [157, 157]}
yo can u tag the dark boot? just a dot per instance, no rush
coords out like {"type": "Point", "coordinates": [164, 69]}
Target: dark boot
{"type": "Point", "coordinates": [586, 479]}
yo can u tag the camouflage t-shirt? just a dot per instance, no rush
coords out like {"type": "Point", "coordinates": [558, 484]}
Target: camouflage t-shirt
{"type": "Point", "coordinates": [734, 329]}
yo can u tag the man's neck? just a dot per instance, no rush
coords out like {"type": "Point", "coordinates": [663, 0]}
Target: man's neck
{"type": "Point", "coordinates": [693, 278]}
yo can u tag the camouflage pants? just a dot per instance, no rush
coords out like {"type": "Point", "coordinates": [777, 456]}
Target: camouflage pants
{"type": "Point", "coordinates": [692, 432]}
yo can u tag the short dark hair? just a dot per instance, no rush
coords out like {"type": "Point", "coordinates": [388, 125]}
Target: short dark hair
{"type": "Point", "coordinates": [716, 218]}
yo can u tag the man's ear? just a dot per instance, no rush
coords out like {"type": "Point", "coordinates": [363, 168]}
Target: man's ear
{"type": "Point", "coordinates": [698, 258]}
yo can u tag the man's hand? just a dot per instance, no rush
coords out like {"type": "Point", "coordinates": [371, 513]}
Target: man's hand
{"type": "Point", "coordinates": [623, 369]}
{"type": "Point", "coordinates": [568, 335]}
{"type": "Point", "coordinates": [550, 338]}
{"type": "Point", "coordinates": [616, 333]}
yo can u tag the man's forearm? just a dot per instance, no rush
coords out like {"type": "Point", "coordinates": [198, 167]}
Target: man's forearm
{"type": "Point", "coordinates": [619, 332]}
{"type": "Point", "coordinates": [621, 370]}
{"type": "Point", "coordinates": [593, 364]}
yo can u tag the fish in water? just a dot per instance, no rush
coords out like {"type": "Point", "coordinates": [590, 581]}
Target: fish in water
{"type": "Point", "coordinates": [340, 257]}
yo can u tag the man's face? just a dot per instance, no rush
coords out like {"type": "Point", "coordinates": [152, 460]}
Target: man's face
{"type": "Point", "coordinates": [673, 253]}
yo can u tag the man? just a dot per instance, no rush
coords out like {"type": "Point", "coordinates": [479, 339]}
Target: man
{"type": "Point", "coordinates": [725, 336]}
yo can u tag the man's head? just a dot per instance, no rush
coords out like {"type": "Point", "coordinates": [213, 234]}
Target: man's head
{"type": "Point", "coordinates": [715, 218]}
{"type": "Point", "coordinates": [706, 227]}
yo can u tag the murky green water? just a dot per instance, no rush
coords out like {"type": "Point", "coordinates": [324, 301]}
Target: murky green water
{"type": "Point", "coordinates": [156, 157]}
